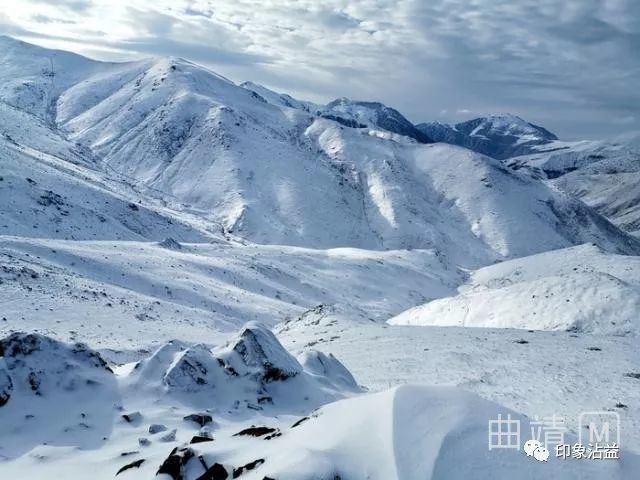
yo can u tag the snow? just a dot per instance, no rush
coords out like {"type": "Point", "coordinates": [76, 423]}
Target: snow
{"type": "Point", "coordinates": [500, 136]}
{"type": "Point", "coordinates": [603, 174]}
{"type": "Point", "coordinates": [579, 289]}
{"type": "Point", "coordinates": [537, 373]}
{"type": "Point", "coordinates": [419, 431]}
{"type": "Point", "coordinates": [140, 290]}
{"type": "Point", "coordinates": [62, 395]}
{"type": "Point", "coordinates": [243, 268]}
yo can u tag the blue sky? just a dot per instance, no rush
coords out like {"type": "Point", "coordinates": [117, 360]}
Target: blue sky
{"type": "Point", "coordinates": [570, 65]}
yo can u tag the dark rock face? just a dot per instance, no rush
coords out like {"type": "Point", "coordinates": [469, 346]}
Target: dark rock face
{"type": "Point", "coordinates": [299, 422]}
{"type": "Point", "coordinates": [157, 428]}
{"type": "Point", "coordinates": [261, 352]}
{"type": "Point", "coordinates": [245, 468]}
{"type": "Point", "coordinates": [347, 112]}
{"type": "Point", "coordinates": [200, 439]}
{"type": "Point", "coordinates": [256, 431]}
{"type": "Point", "coordinates": [133, 418]}
{"type": "Point", "coordinates": [201, 419]}
{"type": "Point", "coordinates": [174, 464]}
{"type": "Point", "coordinates": [6, 386]}
{"type": "Point", "coordinates": [215, 472]}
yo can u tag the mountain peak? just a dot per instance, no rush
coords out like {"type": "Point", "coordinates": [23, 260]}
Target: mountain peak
{"type": "Point", "coordinates": [499, 135]}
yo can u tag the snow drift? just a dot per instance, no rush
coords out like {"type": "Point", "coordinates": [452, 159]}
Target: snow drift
{"type": "Point", "coordinates": [253, 371]}
{"type": "Point", "coordinates": [581, 289]}
{"type": "Point", "coordinates": [53, 393]}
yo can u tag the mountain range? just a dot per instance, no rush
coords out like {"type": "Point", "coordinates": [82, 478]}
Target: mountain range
{"type": "Point", "coordinates": [181, 255]}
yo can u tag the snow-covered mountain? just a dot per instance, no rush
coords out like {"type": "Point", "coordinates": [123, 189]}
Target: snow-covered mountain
{"type": "Point", "coordinates": [281, 175]}
{"type": "Point", "coordinates": [214, 245]}
{"type": "Point", "coordinates": [498, 136]}
{"type": "Point", "coordinates": [603, 174]}
{"type": "Point", "coordinates": [350, 113]}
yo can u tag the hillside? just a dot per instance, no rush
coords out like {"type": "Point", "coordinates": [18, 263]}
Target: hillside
{"type": "Point", "coordinates": [603, 174]}
{"type": "Point", "coordinates": [498, 136]}
{"type": "Point", "coordinates": [202, 280]}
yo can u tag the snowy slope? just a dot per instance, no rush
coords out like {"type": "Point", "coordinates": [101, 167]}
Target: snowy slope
{"type": "Point", "coordinates": [498, 136]}
{"type": "Point", "coordinates": [131, 294]}
{"type": "Point", "coordinates": [603, 174]}
{"type": "Point", "coordinates": [153, 208]}
{"type": "Point", "coordinates": [419, 432]}
{"type": "Point", "coordinates": [32, 78]}
{"type": "Point", "coordinates": [537, 373]}
{"type": "Point", "coordinates": [359, 114]}
{"type": "Point", "coordinates": [279, 175]}
{"type": "Point", "coordinates": [282, 99]}
{"type": "Point", "coordinates": [580, 289]}
{"type": "Point", "coordinates": [51, 188]}
{"type": "Point", "coordinates": [350, 113]}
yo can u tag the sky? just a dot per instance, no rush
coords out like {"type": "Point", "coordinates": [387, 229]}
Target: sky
{"type": "Point", "coordinates": [572, 66]}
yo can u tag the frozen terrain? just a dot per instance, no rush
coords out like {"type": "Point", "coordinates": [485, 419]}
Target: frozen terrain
{"type": "Point", "coordinates": [603, 174]}
{"type": "Point", "coordinates": [498, 136]}
{"type": "Point", "coordinates": [204, 280]}
{"type": "Point", "coordinates": [580, 289]}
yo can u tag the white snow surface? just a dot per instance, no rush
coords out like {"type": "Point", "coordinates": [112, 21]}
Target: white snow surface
{"type": "Point", "coordinates": [170, 219]}
{"type": "Point", "coordinates": [603, 174]}
{"type": "Point", "coordinates": [579, 289]}
{"type": "Point", "coordinates": [192, 139]}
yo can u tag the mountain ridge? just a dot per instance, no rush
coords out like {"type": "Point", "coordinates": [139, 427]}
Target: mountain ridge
{"type": "Point", "coordinates": [499, 136]}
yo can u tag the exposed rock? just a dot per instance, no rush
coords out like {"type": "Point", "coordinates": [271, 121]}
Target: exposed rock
{"type": "Point", "coordinates": [299, 422]}
{"type": "Point", "coordinates": [194, 370]}
{"type": "Point", "coordinates": [245, 468]}
{"type": "Point", "coordinates": [156, 428]}
{"type": "Point", "coordinates": [135, 464]}
{"type": "Point", "coordinates": [201, 419]}
{"type": "Point", "coordinates": [254, 431]}
{"type": "Point", "coordinates": [215, 472]}
{"type": "Point", "coordinates": [170, 243]}
{"type": "Point", "coordinates": [174, 464]}
{"type": "Point", "coordinates": [134, 418]}
{"type": "Point", "coordinates": [169, 437]}
{"type": "Point", "coordinates": [6, 385]}
{"type": "Point", "coordinates": [260, 353]}
{"type": "Point", "coordinates": [200, 439]}
{"type": "Point", "coordinates": [44, 365]}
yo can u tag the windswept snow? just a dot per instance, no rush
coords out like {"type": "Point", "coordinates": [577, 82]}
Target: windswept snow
{"type": "Point", "coordinates": [580, 289]}
{"type": "Point", "coordinates": [603, 174]}
{"type": "Point", "coordinates": [132, 291]}
{"type": "Point", "coordinates": [534, 372]}
{"type": "Point", "coordinates": [170, 219]}
{"type": "Point", "coordinates": [405, 433]}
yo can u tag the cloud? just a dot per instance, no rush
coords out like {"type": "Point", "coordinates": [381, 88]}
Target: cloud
{"type": "Point", "coordinates": [571, 65]}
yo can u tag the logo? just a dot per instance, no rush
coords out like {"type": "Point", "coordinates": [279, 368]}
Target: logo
{"type": "Point", "coordinates": [599, 427]}
{"type": "Point", "coordinates": [598, 438]}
